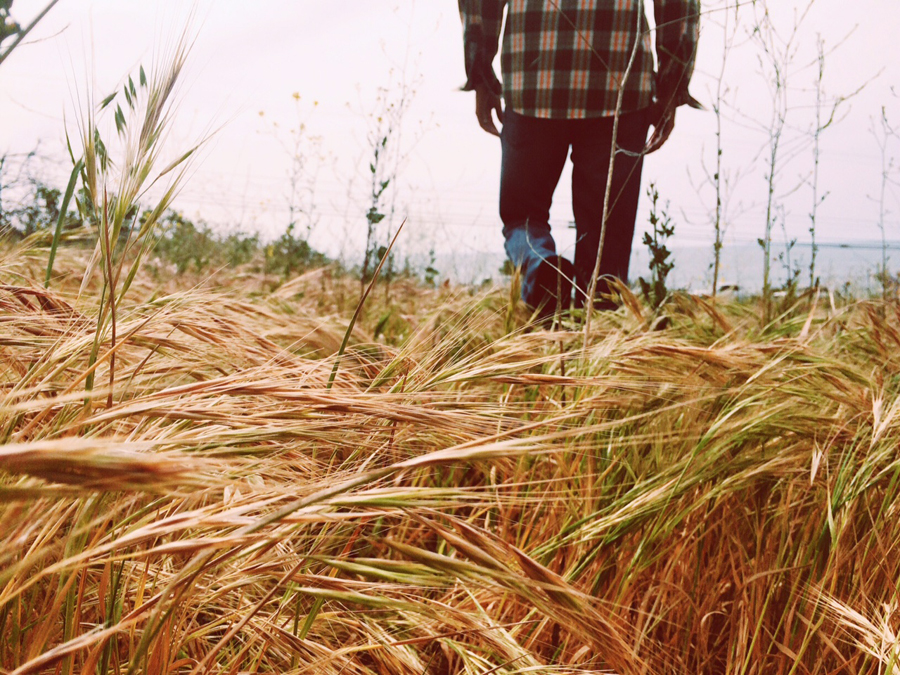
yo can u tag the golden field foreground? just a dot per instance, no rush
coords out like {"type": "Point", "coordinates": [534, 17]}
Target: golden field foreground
{"type": "Point", "coordinates": [469, 496]}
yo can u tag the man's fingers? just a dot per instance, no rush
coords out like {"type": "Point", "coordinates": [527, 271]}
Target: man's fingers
{"type": "Point", "coordinates": [486, 122]}
{"type": "Point", "coordinates": [661, 132]}
{"type": "Point", "coordinates": [491, 128]}
{"type": "Point", "coordinates": [657, 139]}
{"type": "Point", "coordinates": [485, 105]}
{"type": "Point", "coordinates": [656, 142]}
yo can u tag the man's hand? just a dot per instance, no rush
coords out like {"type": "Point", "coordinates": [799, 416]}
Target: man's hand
{"type": "Point", "coordinates": [662, 117]}
{"type": "Point", "coordinates": [663, 121]}
{"type": "Point", "coordinates": [486, 102]}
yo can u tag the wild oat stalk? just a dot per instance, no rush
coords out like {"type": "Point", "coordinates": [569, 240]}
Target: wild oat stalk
{"type": "Point", "coordinates": [115, 189]}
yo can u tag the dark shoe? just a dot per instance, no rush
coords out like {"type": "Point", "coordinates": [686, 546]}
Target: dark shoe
{"type": "Point", "coordinates": [552, 290]}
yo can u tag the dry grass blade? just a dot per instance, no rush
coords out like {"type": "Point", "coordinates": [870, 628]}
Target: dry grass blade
{"type": "Point", "coordinates": [876, 633]}
{"type": "Point", "coordinates": [104, 465]}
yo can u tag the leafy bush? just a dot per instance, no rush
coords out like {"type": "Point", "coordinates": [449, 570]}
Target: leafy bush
{"type": "Point", "coordinates": [185, 244]}
{"type": "Point", "coordinates": [196, 247]}
{"type": "Point", "coordinates": [291, 253]}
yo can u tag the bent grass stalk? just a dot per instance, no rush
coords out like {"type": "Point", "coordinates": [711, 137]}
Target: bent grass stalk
{"type": "Point", "coordinates": [359, 306]}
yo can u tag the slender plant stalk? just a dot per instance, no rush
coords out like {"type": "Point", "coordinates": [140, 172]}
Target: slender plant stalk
{"type": "Point", "coordinates": [718, 179]}
{"type": "Point", "coordinates": [780, 61]}
{"type": "Point", "coordinates": [607, 193]}
{"type": "Point", "coordinates": [110, 309]}
{"type": "Point", "coordinates": [359, 306]}
{"type": "Point", "coordinates": [816, 201]}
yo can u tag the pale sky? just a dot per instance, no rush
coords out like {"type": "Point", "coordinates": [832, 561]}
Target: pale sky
{"type": "Point", "coordinates": [251, 57]}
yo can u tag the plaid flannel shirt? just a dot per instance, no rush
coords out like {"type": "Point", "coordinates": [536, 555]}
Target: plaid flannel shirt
{"type": "Point", "coordinates": [566, 59]}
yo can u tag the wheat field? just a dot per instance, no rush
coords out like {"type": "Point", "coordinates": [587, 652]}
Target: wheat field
{"type": "Point", "coordinates": [471, 494]}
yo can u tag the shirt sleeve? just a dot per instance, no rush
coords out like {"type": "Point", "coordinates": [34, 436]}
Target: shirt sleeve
{"type": "Point", "coordinates": [677, 33]}
{"type": "Point", "coordinates": [482, 21]}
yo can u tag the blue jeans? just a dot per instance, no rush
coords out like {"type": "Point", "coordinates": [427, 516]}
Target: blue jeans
{"type": "Point", "coordinates": [534, 154]}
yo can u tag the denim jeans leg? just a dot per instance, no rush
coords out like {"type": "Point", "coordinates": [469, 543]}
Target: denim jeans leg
{"type": "Point", "coordinates": [534, 153]}
{"type": "Point", "coordinates": [590, 166]}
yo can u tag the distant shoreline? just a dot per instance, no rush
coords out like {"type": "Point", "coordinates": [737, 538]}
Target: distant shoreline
{"type": "Point", "coordinates": [837, 264]}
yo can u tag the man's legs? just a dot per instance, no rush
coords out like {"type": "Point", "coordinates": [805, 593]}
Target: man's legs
{"type": "Point", "coordinates": [590, 164]}
{"type": "Point", "coordinates": [534, 154]}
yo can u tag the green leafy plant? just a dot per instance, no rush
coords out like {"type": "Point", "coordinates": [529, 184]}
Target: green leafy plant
{"type": "Point", "coordinates": [291, 253]}
{"type": "Point", "coordinates": [388, 154]}
{"type": "Point", "coordinates": [655, 291]}
{"type": "Point", "coordinates": [791, 270]}
{"type": "Point", "coordinates": [374, 215]}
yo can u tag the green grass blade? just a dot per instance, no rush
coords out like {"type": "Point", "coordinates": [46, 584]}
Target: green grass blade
{"type": "Point", "coordinates": [63, 210]}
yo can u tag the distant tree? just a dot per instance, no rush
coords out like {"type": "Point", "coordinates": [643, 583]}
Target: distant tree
{"type": "Point", "coordinates": [183, 243]}
{"type": "Point", "coordinates": [15, 173]}
{"type": "Point", "coordinates": [43, 211]}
